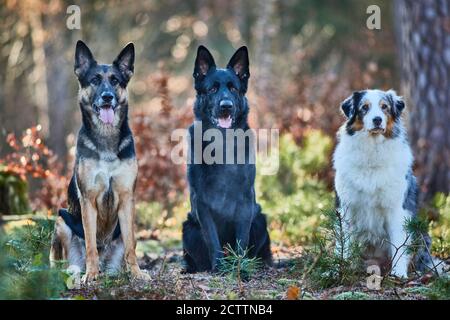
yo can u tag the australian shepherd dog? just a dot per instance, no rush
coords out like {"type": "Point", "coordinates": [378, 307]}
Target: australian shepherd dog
{"type": "Point", "coordinates": [376, 191]}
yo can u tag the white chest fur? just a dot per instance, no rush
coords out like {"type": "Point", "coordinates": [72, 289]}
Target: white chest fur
{"type": "Point", "coordinates": [99, 176]}
{"type": "Point", "coordinates": [371, 181]}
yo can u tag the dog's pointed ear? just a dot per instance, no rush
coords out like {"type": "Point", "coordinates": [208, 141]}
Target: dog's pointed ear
{"type": "Point", "coordinates": [203, 63]}
{"type": "Point", "coordinates": [240, 64]}
{"type": "Point", "coordinates": [348, 106]}
{"type": "Point", "coordinates": [397, 103]}
{"type": "Point", "coordinates": [83, 59]}
{"type": "Point", "coordinates": [125, 61]}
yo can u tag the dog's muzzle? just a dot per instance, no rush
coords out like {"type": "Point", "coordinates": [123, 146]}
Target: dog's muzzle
{"type": "Point", "coordinates": [377, 125]}
{"type": "Point", "coordinates": [105, 107]}
{"type": "Point", "coordinates": [225, 120]}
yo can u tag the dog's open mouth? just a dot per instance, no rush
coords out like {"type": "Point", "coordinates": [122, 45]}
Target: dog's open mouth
{"type": "Point", "coordinates": [225, 121]}
{"type": "Point", "coordinates": [106, 114]}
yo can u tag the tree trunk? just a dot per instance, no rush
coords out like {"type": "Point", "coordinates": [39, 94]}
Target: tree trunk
{"type": "Point", "coordinates": [34, 10]}
{"type": "Point", "coordinates": [423, 30]}
{"type": "Point", "coordinates": [265, 32]}
{"type": "Point", "coordinates": [61, 102]}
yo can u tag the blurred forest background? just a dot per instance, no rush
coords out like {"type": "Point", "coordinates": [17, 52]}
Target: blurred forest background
{"type": "Point", "coordinates": [306, 57]}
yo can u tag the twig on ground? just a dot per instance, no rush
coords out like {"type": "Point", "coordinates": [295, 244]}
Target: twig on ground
{"type": "Point", "coordinates": [397, 249]}
{"type": "Point", "coordinates": [313, 265]}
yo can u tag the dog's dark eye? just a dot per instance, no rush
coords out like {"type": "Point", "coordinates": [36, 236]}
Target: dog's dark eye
{"type": "Point", "coordinates": [95, 81]}
{"type": "Point", "coordinates": [365, 107]}
{"type": "Point", "coordinates": [384, 106]}
{"type": "Point", "coordinates": [233, 88]}
{"type": "Point", "coordinates": [114, 81]}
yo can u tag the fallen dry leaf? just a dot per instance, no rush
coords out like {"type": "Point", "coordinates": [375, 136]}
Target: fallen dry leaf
{"type": "Point", "coordinates": [293, 293]}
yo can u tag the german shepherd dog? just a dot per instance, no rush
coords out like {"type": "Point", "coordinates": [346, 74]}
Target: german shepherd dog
{"type": "Point", "coordinates": [223, 207]}
{"type": "Point", "coordinates": [96, 230]}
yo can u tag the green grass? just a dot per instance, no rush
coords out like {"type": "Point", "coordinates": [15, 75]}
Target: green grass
{"type": "Point", "coordinates": [438, 289]}
{"type": "Point", "coordinates": [352, 295]}
{"type": "Point", "coordinates": [24, 266]}
{"type": "Point", "coordinates": [295, 197]}
{"type": "Point", "coordinates": [440, 229]}
{"type": "Point", "coordinates": [237, 263]}
{"type": "Point", "coordinates": [326, 264]}
{"type": "Point", "coordinates": [117, 280]}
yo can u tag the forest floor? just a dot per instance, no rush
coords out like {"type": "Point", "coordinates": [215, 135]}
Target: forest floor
{"type": "Point", "coordinates": [279, 282]}
{"type": "Point", "coordinates": [161, 256]}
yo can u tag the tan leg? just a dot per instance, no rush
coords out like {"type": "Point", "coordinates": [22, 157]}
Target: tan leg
{"type": "Point", "coordinates": [89, 214]}
{"type": "Point", "coordinates": [126, 219]}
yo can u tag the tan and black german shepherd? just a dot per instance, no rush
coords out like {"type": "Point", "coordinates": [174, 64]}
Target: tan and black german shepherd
{"type": "Point", "coordinates": [96, 231]}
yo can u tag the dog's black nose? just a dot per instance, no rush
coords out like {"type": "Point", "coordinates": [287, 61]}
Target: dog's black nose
{"type": "Point", "coordinates": [226, 104]}
{"type": "Point", "coordinates": [377, 121]}
{"type": "Point", "coordinates": [107, 96]}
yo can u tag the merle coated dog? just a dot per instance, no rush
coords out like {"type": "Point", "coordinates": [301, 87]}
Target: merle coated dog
{"type": "Point", "coordinates": [223, 207]}
{"type": "Point", "coordinates": [376, 190]}
{"type": "Point", "coordinates": [96, 230]}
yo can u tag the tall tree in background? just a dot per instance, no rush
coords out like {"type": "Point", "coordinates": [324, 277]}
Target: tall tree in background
{"type": "Point", "coordinates": [265, 31]}
{"type": "Point", "coordinates": [423, 29]}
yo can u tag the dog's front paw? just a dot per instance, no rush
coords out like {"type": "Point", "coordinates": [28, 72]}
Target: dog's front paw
{"type": "Point", "coordinates": [139, 274]}
{"type": "Point", "coordinates": [90, 277]}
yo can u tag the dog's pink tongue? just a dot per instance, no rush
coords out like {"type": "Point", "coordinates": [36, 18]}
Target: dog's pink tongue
{"type": "Point", "coordinates": [107, 115]}
{"type": "Point", "coordinates": [225, 122]}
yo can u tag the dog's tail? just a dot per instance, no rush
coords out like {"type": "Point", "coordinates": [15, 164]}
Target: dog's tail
{"type": "Point", "coordinates": [424, 262]}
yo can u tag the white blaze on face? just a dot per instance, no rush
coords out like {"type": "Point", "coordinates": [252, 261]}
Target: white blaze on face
{"type": "Point", "coordinates": [374, 99]}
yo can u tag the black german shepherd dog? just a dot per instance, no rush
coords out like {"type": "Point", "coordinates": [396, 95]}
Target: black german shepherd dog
{"type": "Point", "coordinates": [96, 230]}
{"type": "Point", "coordinates": [223, 207]}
